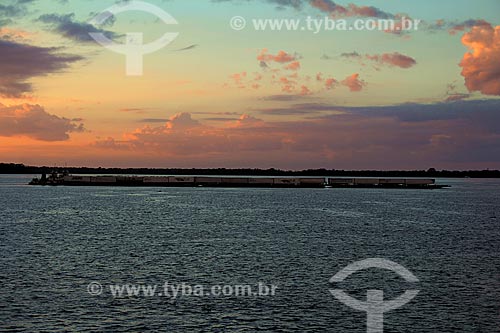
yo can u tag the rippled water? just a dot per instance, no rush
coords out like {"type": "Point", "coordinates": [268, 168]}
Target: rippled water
{"type": "Point", "coordinates": [54, 241]}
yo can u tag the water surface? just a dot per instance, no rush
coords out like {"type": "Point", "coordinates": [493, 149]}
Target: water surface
{"type": "Point", "coordinates": [54, 241]}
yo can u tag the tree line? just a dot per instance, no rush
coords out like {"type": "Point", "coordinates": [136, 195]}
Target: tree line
{"type": "Point", "coordinates": [12, 168]}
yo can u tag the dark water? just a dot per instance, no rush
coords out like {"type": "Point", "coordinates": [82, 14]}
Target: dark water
{"type": "Point", "coordinates": [55, 241]}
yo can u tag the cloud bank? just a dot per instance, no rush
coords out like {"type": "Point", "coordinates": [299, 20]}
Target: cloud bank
{"type": "Point", "coordinates": [21, 62]}
{"type": "Point", "coordinates": [465, 133]}
{"type": "Point", "coordinates": [34, 122]}
{"type": "Point", "coordinates": [67, 26]}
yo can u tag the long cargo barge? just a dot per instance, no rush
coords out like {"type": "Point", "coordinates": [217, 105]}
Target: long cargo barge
{"type": "Point", "coordinates": [64, 179]}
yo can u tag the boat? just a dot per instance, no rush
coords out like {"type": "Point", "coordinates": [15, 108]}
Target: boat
{"type": "Point", "coordinates": [66, 179]}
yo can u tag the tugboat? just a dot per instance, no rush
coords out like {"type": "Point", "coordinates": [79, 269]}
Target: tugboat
{"type": "Point", "coordinates": [55, 178]}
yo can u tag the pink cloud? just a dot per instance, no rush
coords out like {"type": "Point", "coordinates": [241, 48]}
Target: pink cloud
{"type": "Point", "coordinates": [353, 83]}
{"type": "Point", "coordinates": [336, 10]}
{"type": "Point", "coordinates": [366, 11]}
{"type": "Point", "coordinates": [456, 97]}
{"type": "Point", "coordinates": [328, 6]}
{"type": "Point", "coordinates": [393, 59]}
{"type": "Point", "coordinates": [462, 26]}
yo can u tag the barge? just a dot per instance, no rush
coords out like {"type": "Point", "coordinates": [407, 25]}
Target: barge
{"type": "Point", "coordinates": [65, 179]}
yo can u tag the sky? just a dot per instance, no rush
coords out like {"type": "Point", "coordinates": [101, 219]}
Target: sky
{"type": "Point", "coordinates": [220, 94]}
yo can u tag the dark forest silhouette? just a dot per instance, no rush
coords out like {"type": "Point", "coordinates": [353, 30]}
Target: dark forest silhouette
{"type": "Point", "coordinates": [11, 168]}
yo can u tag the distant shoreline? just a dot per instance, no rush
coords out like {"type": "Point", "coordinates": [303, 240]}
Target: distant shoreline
{"type": "Point", "coordinates": [11, 168]}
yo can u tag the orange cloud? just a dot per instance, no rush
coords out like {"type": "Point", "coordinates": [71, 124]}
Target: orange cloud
{"type": "Point", "coordinates": [281, 57]}
{"type": "Point", "coordinates": [182, 121]}
{"type": "Point", "coordinates": [247, 121]}
{"type": "Point", "coordinates": [293, 66]}
{"type": "Point", "coordinates": [353, 83]}
{"type": "Point", "coordinates": [330, 83]}
{"type": "Point", "coordinates": [238, 77]}
{"type": "Point", "coordinates": [287, 85]}
{"type": "Point", "coordinates": [481, 65]}
{"type": "Point", "coordinates": [304, 91]}
{"type": "Point", "coordinates": [34, 122]}
{"type": "Point", "coordinates": [285, 80]}
{"type": "Point", "coordinates": [13, 34]}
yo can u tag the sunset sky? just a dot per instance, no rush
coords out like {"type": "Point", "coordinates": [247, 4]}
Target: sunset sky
{"type": "Point", "coordinates": [218, 97]}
